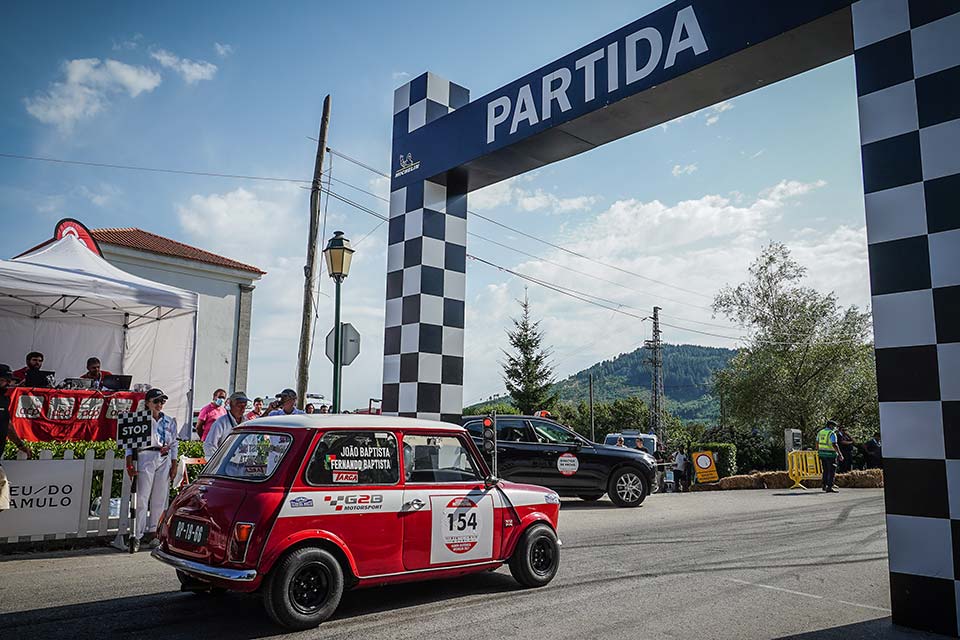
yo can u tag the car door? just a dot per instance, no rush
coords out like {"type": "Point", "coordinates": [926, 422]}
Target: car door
{"type": "Point", "coordinates": [565, 460]}
{"type": "Point", "coordinates": [449, 516]}
{"type": "Point", "coordinates": [516, 449]}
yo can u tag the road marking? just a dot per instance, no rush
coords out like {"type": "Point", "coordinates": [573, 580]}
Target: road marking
{"type": "Point", "coordinates": [806, 595]}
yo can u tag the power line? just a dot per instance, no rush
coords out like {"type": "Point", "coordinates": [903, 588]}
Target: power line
{"type": "Point", "coordinates": [541, 240]}
{"type": "Point", "coordinates": [128, 167]}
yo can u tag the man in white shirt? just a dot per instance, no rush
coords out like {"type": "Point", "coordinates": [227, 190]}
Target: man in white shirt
{"type": "Point", "coordinates": [679, 470]}
{"type": "Point", "coordinates": [226, 423]}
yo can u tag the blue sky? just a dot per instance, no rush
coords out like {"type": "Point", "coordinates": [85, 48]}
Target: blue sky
{"type": "Point", "coordinates": [238, 87]}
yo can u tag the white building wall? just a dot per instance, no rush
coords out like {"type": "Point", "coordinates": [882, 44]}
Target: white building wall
{"type": "Point", "coordinates": [219, 312]}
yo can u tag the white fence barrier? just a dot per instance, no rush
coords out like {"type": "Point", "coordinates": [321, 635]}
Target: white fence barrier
{"type": "Point", "coordinates": [38, 488]}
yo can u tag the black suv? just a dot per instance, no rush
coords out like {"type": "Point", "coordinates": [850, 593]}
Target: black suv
{"type": "Point", "coordinates": [540, 451]}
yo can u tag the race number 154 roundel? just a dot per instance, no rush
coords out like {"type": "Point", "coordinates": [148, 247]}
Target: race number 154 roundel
{"type": "Point", "coordinates": [462, 528]}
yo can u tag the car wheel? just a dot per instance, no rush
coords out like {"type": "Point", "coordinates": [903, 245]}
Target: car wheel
{"type": "Point", "coordinates": [590, 497]}
{"type": "Point", "coordinates": [304, 588]}
{"type": "Point", "coordinates": [627, 487]}
{"type": "Point", "coordinates": [195, 585]}
{"type": "Point", "coordinates": [537, 557]}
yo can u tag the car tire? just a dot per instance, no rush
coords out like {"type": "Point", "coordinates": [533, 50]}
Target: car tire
{"type": "Point", "coordinates": [536, 559]}
{"type": "Point", "coordinates": [627, 487]}
{"type": "Point", "coordinates": [304, 588]}
{"type": "Point", "coordinates": [590, 497]}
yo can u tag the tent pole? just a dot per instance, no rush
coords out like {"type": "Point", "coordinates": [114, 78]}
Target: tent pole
{"type": "Point", "coordinates": [123, 344]}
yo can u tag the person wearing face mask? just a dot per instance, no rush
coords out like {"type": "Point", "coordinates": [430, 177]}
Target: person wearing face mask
{"type": "Point", "coordinates": [211, 413]}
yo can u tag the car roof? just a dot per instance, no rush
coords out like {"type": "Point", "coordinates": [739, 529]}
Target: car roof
{"type": "Point", "coordinates": [509, 415]}
{"type": "Point", "coordinates": [353, 421]}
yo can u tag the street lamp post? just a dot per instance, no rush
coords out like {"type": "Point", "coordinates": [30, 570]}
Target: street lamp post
{"type": "Point", "coordinates": [338, 255]}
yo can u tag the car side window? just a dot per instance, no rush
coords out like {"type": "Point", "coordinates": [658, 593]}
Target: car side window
{"type": "Point", "coordinates": [344, 458]}
{"type": "Point", "coordinates": [475, 428]}
{"type": "Point", "coordinates": [551, 433]}
{"type": "Point", "coordinates": [512, 431]}
{"type": "Point", "coordinates": [437, 459]}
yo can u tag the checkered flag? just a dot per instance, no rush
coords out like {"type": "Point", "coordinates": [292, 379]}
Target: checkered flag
{"type": "Point", "coordinates": [133, 429]}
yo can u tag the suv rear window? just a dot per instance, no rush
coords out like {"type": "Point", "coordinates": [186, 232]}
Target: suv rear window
{"type": "Point", "coordinates": [354, 457]}
{"type": "Point", "coordinates": [249, 456]}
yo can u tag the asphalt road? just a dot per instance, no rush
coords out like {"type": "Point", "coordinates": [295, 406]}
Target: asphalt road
{"type": "Point", "coordinates": [740, 564]}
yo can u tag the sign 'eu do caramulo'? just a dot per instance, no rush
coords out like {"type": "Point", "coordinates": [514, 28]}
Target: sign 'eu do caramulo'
{"type": "Point", "coordinates": [44, 497]}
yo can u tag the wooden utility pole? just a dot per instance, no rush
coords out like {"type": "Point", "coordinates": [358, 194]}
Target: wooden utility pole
{"type": "Point", "coordinates": [310, 269]}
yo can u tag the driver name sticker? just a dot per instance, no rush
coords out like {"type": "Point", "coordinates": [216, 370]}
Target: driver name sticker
{"type": "Point", "coordinates": [568, 464]}
{"type": "Point", "coordinates": [462, 528]}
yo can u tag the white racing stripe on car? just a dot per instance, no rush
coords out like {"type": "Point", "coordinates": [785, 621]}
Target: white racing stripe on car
{"type": "Point", "coordinates": [525, 497]}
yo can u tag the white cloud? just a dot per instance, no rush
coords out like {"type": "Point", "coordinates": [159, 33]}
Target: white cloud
{"type": "Point", "coordinates": [684, 170]}
{"type": "Point", "coordinates": [192, 71]}
{"type": "Point", "coordinates": [223, 50]}
{"type": "Point", "coordinates": [86, 90]}
{"type": "Point", "coordinates": [508, 192]}
{"type": "Point", "coordinates": [104, 195]}
{"type": "Point", "coordinates": [697, 244]}
{"type": "Point", "coordinates": [129, 44]}
{"type": "Point", "coordinates": [400, 75]}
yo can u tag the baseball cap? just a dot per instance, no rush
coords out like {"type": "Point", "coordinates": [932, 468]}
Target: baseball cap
{"type": "Point", "coordinates": [239, 395]}
{"type": "Point", "coordinates": [5, 372]}
{"type": "Point", "coordinates": [153, 394]}
{"type": "Point", "coordinates": [287, 393]}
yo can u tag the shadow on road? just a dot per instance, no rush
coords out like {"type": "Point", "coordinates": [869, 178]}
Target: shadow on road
{"type": "Point", "coordinates": [582, 505]}
{"type": "Point", "coordinates": [235, 615]}
{"type": "Point", "coordinates": [879, 629]}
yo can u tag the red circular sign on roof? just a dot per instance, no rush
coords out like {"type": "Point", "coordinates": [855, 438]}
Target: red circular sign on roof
{"type": "Point", "coordinates": [71, 227]}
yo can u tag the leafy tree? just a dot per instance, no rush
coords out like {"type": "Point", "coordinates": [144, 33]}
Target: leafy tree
{"type": "Point", "coordinates": [501, 407]}
{"type": "Point", "coordinates": [807, 360]}
{"type": "Point", "coordinates": [526, 372]}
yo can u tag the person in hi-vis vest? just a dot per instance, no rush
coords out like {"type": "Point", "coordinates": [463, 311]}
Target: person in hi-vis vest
{"type": "Point", "coordinates": [829, 454]}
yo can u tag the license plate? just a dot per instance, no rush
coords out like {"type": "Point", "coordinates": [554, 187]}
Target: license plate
{"type": "Point", "coordinates": [190, 531]}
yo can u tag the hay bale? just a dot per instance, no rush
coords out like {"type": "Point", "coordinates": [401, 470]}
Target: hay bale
{"type": "Point", "coordinates": [741, 482]}
{"type": "Point", "coordinates": [867, 479]}
{"type": "Point", "coordinates": [775, 479]}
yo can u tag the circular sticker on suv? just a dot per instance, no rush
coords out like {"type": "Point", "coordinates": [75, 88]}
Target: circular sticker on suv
{"type": "Point", "coordinates": [567, 464]}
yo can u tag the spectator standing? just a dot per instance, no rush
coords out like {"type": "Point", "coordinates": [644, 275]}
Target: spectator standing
{"type": "Point", "coordinates": [845, 444]}
{"type": "Point", "coordinates": [156, 466]}
{"type": "Point", "coordinates": [6, 431]}
{"type": "Point", "coordinates": [310, 408]}
{"type": "Point", "coordinates": [95, 372]}
{"type": "Point", "coordinates": [211, 413]}
{"type": "Point", "coordinates": [226, 423]}
{"type": "Point", "coordinates": [285, 404]}
{"type": "Point", "coordinates": [874, 451]}
{"type": "Point", "coordinates": [257, 410]}
{"type": "Point", "coordinates": [34, 361]}
{"type": "Point", "coordinates": [323, 409]}
{"type": "Point", "coordinates": [829, 451]}
{"type": "Point", "coordinates": [679, 470]}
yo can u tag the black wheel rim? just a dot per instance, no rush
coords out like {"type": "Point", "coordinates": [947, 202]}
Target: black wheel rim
{"type": "Point", "coordinates": [310, 588]}
{"type": "Point", "coordinates": [542, 556]}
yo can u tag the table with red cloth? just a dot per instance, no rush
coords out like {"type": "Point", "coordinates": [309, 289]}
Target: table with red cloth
{"type": "Point", "coordinates": [44, 415]}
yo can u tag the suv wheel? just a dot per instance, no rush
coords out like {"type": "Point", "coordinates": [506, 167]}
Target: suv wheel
{"type": "Point", "coordinates": [304, 588]}
{"type": "Point", "coordinates": [627, 487]}
{"type": "Point", "coordinates": [536, 559]}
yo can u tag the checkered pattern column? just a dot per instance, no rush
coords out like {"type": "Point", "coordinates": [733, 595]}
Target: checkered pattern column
{"type": "Point", "coordinates": [908, 86]}
{"type": "Point", "coordinates": [426, 271]}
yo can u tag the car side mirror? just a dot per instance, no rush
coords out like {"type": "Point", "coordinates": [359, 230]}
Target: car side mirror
{"type": "Point", "coordinates": [491, 481]}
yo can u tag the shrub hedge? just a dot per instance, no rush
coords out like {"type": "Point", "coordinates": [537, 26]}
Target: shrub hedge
{"type": "Point", "coordinates": [724, 453]}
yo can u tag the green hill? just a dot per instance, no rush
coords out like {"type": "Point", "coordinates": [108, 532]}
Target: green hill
{"type": "Point", "coordinates": [687, 375]}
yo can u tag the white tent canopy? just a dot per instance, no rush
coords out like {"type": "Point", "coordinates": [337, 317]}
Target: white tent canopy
{"type": "Point", "coordinates": [69, 303]}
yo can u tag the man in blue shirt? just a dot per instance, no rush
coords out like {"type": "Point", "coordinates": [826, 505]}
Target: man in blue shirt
{"type": "Point", "coordinates": [286, 405]}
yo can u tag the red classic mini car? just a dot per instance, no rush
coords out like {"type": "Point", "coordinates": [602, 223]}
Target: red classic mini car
{"type": "Point", "coordinates": [303, 507]}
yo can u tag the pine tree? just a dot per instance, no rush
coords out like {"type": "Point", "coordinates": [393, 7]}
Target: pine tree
{"type": "Point", "coordinates": [526, 372]}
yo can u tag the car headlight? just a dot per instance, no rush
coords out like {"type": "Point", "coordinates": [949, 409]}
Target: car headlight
{"type": "Point", "coordinates": [552, 498]}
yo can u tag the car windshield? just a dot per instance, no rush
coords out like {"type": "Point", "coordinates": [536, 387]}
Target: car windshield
{"type": "Point", "coordinates": [248, 456]}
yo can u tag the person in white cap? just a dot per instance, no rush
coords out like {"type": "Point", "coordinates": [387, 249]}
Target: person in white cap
{"type": "Point", "coordinates": [223, 425]}
{"type": "Point", "coordinates": [155, 468]}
